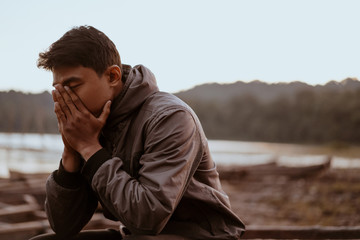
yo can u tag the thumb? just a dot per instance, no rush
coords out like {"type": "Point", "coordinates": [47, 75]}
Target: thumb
{"type": "Point", "coordinates": [105, 113]}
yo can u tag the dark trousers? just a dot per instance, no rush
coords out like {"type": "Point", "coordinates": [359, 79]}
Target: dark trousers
{"type": "Point", "coordinates": [108, 234]}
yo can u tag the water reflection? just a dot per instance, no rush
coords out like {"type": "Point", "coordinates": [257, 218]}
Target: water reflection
{"type": "Point", "coordinates": [32, 153]}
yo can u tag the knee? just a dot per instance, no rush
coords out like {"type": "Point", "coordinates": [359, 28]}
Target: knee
{"type": "Point", "coordinates": [46, 236]}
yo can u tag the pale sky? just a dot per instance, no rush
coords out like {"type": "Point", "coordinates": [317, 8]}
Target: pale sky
{"type": "Point", "coordinates": [191, 42]}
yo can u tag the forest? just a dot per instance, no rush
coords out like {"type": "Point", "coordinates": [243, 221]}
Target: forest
{"type": "Point", "coordinates": [308, 117]}
{"type": "Point", "coordinates": [27, 113]}
{"type": "Point", "coordinates": [255, 111]}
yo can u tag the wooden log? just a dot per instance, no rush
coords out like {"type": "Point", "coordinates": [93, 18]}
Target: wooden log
{"type": "Point", "coordinates": [24, 208]}
{"type": "Point", "coordinates": [23, 185]}
{"type": "Point", "coordinates": [314, 232]}
{"type": "Point", "coordinates": [29, 199]}
{"type": "Point", "coordinates": [2, 205]}
{"type": "Point", "coordinates": [272, 169]}
{"type": "Point", "coordinates": [252, 232]}
{"type": "Point", "coordinates": [14, 175]}
{"type": "Point", "coordinates": [41, 225]}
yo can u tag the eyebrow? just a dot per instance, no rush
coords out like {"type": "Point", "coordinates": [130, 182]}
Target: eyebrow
{"type": "Point", "coordinates": [69, 80]}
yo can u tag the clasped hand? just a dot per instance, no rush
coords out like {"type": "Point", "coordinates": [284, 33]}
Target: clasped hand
{"type": "Point", "coordinates": [79, 128]}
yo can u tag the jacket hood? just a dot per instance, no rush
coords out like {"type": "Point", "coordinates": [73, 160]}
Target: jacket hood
{"type": "Point", "coordinates": [139, 84]}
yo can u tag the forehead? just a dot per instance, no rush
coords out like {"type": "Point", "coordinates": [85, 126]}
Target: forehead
{"type": "Point", "coordinates": [65, 74]}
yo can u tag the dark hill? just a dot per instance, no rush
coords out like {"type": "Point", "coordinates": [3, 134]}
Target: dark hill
{"type": "Point", "coordinates": [261, 90]}
{"type": "Point", "coordinates": [255, 111]}
{"type": "Point", "coordinates": [281, 112]}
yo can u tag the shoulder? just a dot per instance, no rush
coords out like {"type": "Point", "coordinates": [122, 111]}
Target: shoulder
{"type": "Point", "coordinates": [165, 113]}
{"type": "Point", "coordinates": [162, 105]}
{"type": "Point", "coordinates": [166, 99]}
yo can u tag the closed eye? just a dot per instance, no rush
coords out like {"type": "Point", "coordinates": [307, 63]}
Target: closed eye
{"type": "Point", "coordinates": [72, 82]}
{"type": "Point", "coordinates": [74, 86]}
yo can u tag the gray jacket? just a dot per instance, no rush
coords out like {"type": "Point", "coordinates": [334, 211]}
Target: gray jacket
{"type": "Point", "coordinates": [154, 174]}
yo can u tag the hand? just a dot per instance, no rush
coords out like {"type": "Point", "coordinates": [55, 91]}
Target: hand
{"type": "Point", "coordinates": [77, 125]}
{"type": "Point", "coordinates": [71, 160]}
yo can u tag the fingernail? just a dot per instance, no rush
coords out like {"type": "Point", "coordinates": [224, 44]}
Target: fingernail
{"type": "Point", "coordinates": [67, 88]}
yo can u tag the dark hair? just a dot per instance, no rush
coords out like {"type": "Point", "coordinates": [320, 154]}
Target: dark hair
{"type": "Point", "coordinates": [81, 46]}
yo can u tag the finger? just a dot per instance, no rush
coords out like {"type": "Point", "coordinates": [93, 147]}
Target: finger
{"type": "Point", "coordinates": [105, 113]}
{"type": "Point", "coordinates": [59, 114]}
{"type": "Point", "coordinates": [60, 101]}
{"type": "Point", "coordinates": [76, 100]}
{"type": "Point", "coordinates": [65, 100]}
{"type": "Point", "coordinates": [53, 95]}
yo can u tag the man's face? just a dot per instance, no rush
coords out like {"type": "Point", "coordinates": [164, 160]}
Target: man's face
{"type": "Point", "coordinates": [93, 91]}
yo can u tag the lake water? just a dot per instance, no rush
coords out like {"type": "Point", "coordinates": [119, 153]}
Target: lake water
{"type": "Point", "coordinates": [31, 153]}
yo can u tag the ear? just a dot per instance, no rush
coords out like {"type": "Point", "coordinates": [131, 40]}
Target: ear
{"type": "Point", "coordinates": [114, 73]}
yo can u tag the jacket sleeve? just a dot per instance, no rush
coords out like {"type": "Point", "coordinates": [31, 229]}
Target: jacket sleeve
{"type": "Point", "coordinates": [172, 150]}
{"type": "Point", "coordinates": [70, 202]}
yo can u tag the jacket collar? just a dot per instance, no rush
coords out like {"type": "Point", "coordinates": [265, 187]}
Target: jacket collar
{"type": "Point", "coordinates": [139, 84]}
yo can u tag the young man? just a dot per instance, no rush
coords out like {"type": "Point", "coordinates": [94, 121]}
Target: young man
{"type": "Point", "coordinates": [140, 152]}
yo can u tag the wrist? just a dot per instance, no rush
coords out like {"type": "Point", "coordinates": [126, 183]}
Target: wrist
{"type": "Point", "coordinates": [71, 160]}
{"type": "Point", "coordinates": [90, 150]}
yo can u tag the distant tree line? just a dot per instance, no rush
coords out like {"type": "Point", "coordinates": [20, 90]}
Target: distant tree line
{"type": "Point", "coordinates": [306, 117]}
{"type": "Point", "coordinates": [27, 113]}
